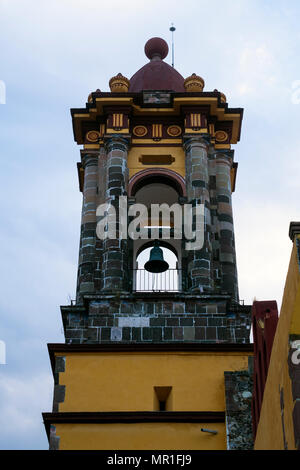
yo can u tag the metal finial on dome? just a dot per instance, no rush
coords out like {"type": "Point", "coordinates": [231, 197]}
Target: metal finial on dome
{"type": "Point", "coordinates": [156, 48]}
{"type": "Point", "coordinates": [172, 29]}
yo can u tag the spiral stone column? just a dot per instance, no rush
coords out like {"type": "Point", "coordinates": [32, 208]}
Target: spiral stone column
{"type": "Point", "coordinates": [115, 251]}
{"type": "Point", "coordinates": [197, 187]}
{"type": "Point", "coordinates": [85, 279]}
{"type": "Point", "coordinates": [225, 220]}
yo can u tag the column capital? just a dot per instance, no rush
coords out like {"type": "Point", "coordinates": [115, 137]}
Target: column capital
{"type": "Point", "coordinates": [89, 157]}
{"type": "Point", "coordinates": [224, 154]}
{"type": "Point", "coordinates": [116, 142]}
{"type": "Point", "coordinates": [198, 140]}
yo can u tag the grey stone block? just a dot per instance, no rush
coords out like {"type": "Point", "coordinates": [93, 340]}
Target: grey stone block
{"type": "Point", "coordinates": [188, 333]}
{"type": "Point", "coordinates": [116, 334]}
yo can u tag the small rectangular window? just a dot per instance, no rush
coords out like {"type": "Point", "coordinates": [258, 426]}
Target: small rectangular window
{"type": "Point", "coordinates": [156, 97]}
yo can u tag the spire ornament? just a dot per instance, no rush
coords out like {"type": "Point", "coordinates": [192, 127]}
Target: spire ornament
{"type": "Point", "coordinates": [119, 84]}
{"type": "Point", "coordinates": [194, 83]}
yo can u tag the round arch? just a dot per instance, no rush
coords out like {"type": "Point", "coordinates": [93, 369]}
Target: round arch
{"type": "Point", "coordinates": [156, 175]}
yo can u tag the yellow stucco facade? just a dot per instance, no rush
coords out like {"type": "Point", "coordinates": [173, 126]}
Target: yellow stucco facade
{"type": "Point", "coordinates": [128, 381]}
{"type": "Point", "coordinates": [135, 163]}
{"type": "Point", "coordinates": [275, 428]}
{"type": "Point", "coordinates": [125, 382]}
{"type": "Point", "coordinates": [141, 436]}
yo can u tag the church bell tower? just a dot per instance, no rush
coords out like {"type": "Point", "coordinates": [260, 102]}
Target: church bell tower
{"type": "Point", "coordinates": [156, 345]}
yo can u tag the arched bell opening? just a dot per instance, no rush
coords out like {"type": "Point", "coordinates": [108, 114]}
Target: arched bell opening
{"type": "Point", "coordinates": [166, 281]}
{"type": "Point", "coordinates": [153, 188]}
{"type": "Point", "coordinates": [157, 193]}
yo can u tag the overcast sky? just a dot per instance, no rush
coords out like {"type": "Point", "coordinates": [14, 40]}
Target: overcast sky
{"type": "Point", "coordinates": [52, 55]}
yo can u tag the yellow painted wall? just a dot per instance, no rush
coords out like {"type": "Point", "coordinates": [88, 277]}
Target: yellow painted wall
{"type": "Point", "coordinates": [141, 436]}
{"type": "Point", "coordinates": [126, 381]}
{"type": "Point", "coordinates": [135, 153]}
{"type": "Point", "coordinates": [270, 431]}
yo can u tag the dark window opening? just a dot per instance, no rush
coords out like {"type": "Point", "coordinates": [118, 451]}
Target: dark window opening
{"type": "Point", "coordinates": [162, 405]}
{"type": "Point", "coordinates": [162, 398]}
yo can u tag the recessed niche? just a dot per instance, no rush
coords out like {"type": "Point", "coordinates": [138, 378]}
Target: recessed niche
{"type": "Point", "coordinates": [158, 160]}
{"type": "Point", "coordinates": [162, 398]}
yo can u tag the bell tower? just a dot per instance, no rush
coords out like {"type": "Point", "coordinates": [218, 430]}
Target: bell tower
{"type": "Point", "coordinates": [157, 339]}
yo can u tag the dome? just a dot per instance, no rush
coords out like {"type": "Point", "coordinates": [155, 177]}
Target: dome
{"type": "Point", "coordinates": [157, 74]}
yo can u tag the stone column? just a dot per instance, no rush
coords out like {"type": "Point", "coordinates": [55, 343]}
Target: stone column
{"type": "Point", "coordinates": [197, 187]}
{"type": "Point", "coordinates": [85, 280]}
{"type": "Point", "coordinates": [101, 198]}
{"type": "Point", "coordinates": [229, 282]}
{"type": "Point", "coordinates": [115, 251]}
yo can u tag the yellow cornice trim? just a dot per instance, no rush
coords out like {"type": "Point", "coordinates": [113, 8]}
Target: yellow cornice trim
{"type": "Point", "coordinates": [222, 146]}
{"type": "Point", "coordinates": [151, 141]}
{"type": "Point", "coordinates": [113, 100]}
{"type": "Point", "coordinates": [113, 131]}
{"type": "Point", "coordinates": [84, 116]}
{"type": "Point", "coordinates": [161, 111]}
{"type": "Point", "coordinates": [91, 146]}
{"type": "Point", "coordinates": [203, 130]}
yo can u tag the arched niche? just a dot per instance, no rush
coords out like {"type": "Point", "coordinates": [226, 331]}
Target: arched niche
{"type": "Point", "coordinates": [157, 176]}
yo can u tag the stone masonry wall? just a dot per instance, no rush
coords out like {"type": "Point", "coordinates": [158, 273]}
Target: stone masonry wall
{"type": "Point", "coordinates": [238, 396]}
{"type": "Point", "coordinates": [140, 319]}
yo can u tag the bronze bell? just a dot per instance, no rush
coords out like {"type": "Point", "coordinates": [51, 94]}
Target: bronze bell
{"type": "Point", "coordinates": [156, 263]}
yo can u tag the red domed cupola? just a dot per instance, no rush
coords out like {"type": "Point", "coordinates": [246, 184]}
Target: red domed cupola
{"type": "Point", "coordinates": [157, 74]}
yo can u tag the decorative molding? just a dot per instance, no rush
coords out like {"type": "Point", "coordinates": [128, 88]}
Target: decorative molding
{"type": "Point", "coordinates": [132, 417]}
{"type": "Point", "coordinates": [119, 84]}
{"type": "Point", "coordinates": [156, 131]}
{"type": "Point", "coordinates": [220, 112]}
{"type": "Point", "coordinates": [140, 131]}
{"type": "Point", "coordinates": [174, 131]}
{"type": "Point", "coordinates": [221, 136]}
{"type": "Point", "coordinates": [92, 136]}
{"type": "Point", "coordinates": [194, 83]}
{"type": "Point", "coordinates": [53, 348]}
{"type": "Point", "coordinates": [162, 172]}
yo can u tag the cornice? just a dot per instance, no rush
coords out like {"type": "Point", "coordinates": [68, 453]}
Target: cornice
{"type": "Point", "coordinates": [102, 102]}
{"type": "Point", "coordinates": [127, 417]}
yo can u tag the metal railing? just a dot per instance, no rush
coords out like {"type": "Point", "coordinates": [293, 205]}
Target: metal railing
{"type": "Point", "coordinates": [168, 281]}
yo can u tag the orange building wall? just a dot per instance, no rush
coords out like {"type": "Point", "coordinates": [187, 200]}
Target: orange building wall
{"type": "Point", "coordinates": [275, 427]}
